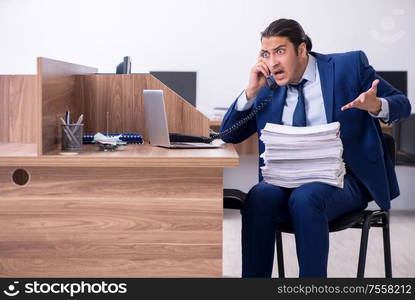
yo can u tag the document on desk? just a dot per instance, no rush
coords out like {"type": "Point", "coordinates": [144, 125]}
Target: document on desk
{"type": "Point", "coordinates": [297, 155]}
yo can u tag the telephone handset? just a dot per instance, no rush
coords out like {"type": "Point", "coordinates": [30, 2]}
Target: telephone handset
{"type": "Point", "coordinates": [271, 83]}
{"type": "Point", "coordinates": [175, 137]}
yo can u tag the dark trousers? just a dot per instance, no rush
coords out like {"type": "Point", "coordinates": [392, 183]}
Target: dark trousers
{"type": "Point", "coordinates": [309, 207]}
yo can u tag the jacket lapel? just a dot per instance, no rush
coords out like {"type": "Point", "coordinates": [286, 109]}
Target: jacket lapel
{"type": "Point", "coordinates": [326, 70]}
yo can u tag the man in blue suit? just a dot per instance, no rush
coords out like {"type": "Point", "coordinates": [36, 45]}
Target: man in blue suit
{"type": "Point", "coordinates": [311, 89]}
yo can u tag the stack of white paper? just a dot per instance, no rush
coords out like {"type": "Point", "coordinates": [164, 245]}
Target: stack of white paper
{"type": "Point", "coordinates": [297, 155]}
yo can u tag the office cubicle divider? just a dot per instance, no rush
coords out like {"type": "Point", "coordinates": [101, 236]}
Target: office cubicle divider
{"type": "Point", "coordinates": [19, 116]}
{"type": "Point", "coordinates": [31, 105]}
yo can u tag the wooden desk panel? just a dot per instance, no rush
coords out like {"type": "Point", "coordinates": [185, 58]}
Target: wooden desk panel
{"type": "Point", "coordinates": [112, 222]}
{"type": "Point", "coordinates": [18, 109]}
{"type": "Point", "coordinates": [17, 150]}
{"type": "Point", "coordinates": [386, 128]}
{"type": "Point", "coordinates": [133, 156]}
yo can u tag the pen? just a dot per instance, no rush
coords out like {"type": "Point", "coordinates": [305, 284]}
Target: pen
{"type": "Point", "coordinates": [67, 117]}
{"type": "Point", "coordinates": [79, 122]}
{"type": "Point", "coordinates": [80, 119]}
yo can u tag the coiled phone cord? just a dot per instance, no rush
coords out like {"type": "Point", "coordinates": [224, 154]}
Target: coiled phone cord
{"type": "Point", "coordinates": [243, 121]}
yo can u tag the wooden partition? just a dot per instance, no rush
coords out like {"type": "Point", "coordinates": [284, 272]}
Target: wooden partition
{"type": "Point", "coordinates": [99, 94]}
{"type": "Point", "coordinates": [122, 97]}
{"type": "Point", "coordinates": [182, 116]}
{"type": "Point", "coordinates": [58, 93]}
{"type": "Point", "coordinates": [19, 105]}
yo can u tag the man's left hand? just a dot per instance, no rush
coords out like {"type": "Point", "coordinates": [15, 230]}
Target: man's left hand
{"type": "Point", "coordinates": [367, 100]}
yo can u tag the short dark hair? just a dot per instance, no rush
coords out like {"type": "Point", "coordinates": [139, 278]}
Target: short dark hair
{"type": "Point", "coordinates": [290, 29]}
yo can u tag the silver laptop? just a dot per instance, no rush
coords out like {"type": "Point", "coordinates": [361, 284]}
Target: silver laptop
{"type": "Point", "coordinates": [156, 123]}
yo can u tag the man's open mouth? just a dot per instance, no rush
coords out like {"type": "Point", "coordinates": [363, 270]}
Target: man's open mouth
{"type": "Point", "coordinates": [279, 74]}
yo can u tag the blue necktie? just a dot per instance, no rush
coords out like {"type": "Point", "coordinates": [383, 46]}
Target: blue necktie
{"type": "Point", "coordinates": [299, 117]}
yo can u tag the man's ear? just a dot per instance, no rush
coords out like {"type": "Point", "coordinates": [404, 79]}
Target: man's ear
{"type": "Point", "coordinates": [303, 49]}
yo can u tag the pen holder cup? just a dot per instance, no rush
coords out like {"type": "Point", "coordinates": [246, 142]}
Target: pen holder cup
{"type": "Point", "coordinates": [72, 137]}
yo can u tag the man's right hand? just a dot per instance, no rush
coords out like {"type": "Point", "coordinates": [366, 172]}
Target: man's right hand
{"type": "Point", "coordinates": [257, 79]}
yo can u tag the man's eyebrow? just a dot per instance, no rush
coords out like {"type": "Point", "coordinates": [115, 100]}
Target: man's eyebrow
{"type": "Point", "coordinates": [275, 49]}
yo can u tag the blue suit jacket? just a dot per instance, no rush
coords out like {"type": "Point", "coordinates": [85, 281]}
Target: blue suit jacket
{"type": "Point", "coordinates": [343, 77]}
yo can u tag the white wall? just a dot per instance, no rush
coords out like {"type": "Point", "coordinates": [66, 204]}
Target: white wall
{"type": "Point", "coordinates": [217, 38]}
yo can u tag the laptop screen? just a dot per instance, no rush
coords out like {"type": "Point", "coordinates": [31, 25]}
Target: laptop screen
{"type": "Point", "coordinates": [155, 117]}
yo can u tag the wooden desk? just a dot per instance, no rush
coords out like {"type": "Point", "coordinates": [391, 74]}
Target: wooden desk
{"type": "Point", "coordinates": [139, 212]}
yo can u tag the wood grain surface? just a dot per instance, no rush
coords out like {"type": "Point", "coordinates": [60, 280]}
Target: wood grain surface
{"type": "Point", "coordinates": [122, 97]}
{"type": "Point", "coordinates": [18, 109]}
{"type": "Point", "coordinates": [58, 92]}
{"type": "Point", "coordinates": [133, 156]}
{"type": "Point", "coordinates": [118, 222]}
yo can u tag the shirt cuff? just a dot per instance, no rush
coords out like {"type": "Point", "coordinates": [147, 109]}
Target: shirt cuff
{"type": "Point", "coordinates": [384, 111]}
{"type": "Point", "coordinates": [242, 103]}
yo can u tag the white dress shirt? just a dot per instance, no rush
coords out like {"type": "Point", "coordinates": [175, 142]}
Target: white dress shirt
{"type": "Point", "coordinates": [313, 96]}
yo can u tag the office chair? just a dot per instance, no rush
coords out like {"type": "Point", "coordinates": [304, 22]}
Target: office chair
{"type": "Point", "coordinates": [364, 220]}
{"type": "Point", "coordinates": [403, 133]}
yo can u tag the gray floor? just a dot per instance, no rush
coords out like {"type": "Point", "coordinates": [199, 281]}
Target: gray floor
{"type": "Point", "coordinates": [344, 245]}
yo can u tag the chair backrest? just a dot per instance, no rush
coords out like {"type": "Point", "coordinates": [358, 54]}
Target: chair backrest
{"type": "Point", "coordinates": [403, 133]}
{"type": "Point", "coordinates": [390, 146]}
